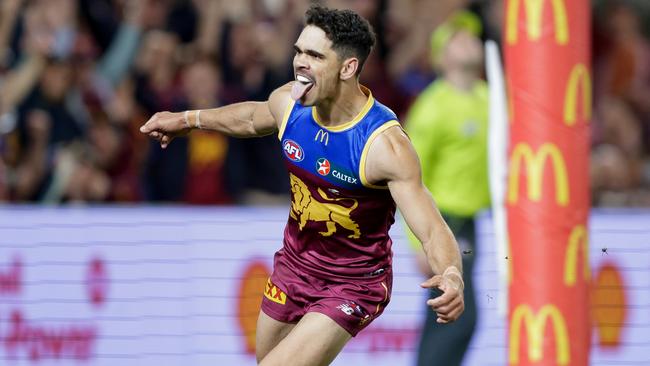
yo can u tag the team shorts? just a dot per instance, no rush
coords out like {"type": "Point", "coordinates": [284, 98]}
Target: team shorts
{"type": "Point", "coordinates": [290, 293]}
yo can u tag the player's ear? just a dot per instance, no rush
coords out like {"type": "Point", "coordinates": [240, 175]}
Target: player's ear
{"type": "Point", "coordinates": [349, 68]}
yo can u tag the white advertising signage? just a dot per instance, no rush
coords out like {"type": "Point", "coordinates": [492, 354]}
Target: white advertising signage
{"type": "Point", "coordinates": [182, 286]}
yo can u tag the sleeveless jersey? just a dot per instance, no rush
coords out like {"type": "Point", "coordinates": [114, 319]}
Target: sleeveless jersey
{"type": "Point", "coordinates": [338, 222]}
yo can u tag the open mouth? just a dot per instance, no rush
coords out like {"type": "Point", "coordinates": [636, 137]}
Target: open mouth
{"type": "Point", "coordinates": [301, 87]}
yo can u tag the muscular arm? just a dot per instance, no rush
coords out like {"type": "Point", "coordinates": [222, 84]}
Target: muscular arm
{"type": "Point", "coordinates": [392, 159]}
{"type": "Point", "coordinates": [246, 119]}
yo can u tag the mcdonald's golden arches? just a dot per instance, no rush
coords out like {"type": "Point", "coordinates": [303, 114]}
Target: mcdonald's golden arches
{"type": "Point", "coordinates": [535, 325]}
{"type": "Point", "coordinates": [579, 78]}
{"type": "Point", "coordinates": [324, 137]}
{"type": "Point", "coordinates": [578, 236]}
{"type": "Point", "coordinates": [533, 11]}
{"type": "Point", "coordinates": [535, 164]}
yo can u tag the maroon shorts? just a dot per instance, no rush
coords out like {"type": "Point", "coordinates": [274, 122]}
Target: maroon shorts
{"type": "Point", "coordinates": [290, 293]}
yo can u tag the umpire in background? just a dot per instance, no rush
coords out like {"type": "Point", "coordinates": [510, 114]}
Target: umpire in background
{"type": "Point", "coordinates": [448, 126]}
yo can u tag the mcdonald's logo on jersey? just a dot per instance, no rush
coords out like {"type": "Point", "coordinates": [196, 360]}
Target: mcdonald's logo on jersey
{"type": "Point", "coordinates": [535, 164]}
{"type": "Point", "coordinates": [533, 13]}
{"type": "Point", "coordinates": [578, 239]}
{"type": "Point", "coordinates": [323, 136]}
{"type": "Point", "coordinates": [578, 79]}
{"type": "Point", "coordinates": [535, 325]}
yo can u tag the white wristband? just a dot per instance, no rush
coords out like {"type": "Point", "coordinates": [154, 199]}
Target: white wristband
{"type": "Point", "coordinates": [187, 122]}
{"type": "Point", "coordinates": [198, 120]}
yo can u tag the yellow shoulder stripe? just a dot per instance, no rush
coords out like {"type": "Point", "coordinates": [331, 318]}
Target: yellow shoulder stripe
{"type": "Point", "coordinates": [285, 118]}
{"type": "Point", "coordinates": [364, 154]}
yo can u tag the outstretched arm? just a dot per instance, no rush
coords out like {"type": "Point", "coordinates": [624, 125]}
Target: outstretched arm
{"type": "Point", "coordinates": [246, 119]}
{"type": "Point", "coordinates": [392, 159]}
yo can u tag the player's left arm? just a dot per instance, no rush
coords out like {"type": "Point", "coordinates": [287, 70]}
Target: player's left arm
{"type": "Point", "coordinates": [392, 159]}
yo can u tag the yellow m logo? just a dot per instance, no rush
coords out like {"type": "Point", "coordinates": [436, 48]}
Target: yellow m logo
{"type": "Point", "coordinates": [535, 164]}
{"type": "Point", "coordinates": [535, 329]}
{"type": "Point", "coordinates": [578, 236]}
{"type": "Point", "coordinates": [324, 137]}
{"type": "Point", "coordinates": [534, 10]}
{"type": "Point", "coordinates": [579, 78]}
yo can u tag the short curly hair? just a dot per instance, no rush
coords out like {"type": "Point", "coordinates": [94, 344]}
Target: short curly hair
{"type": "Point", "coordinates": [351, 35]}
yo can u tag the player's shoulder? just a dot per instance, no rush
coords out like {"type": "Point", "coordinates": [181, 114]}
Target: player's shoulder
{"type": "Point", "coordinates": [390, 144]}
{"type": "Point", "coordinates": [282, 92]}
{"type": "Point", "coordinates": [392, 138]}
{"type": "Point", "coordinates": [384, 125]}
{"type": "Point", "coordinates": [281, 96]}
{"type": "Point", "coordinates": [383, 111]}
{"type": "Point", "coordinates": [389, 153]}
{"type": "Point", "coordinates": [378, 119]}
{"type": "Point", "coordinates": [279, 100]}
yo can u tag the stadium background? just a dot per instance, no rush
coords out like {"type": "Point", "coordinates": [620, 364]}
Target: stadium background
{"type": "Point", "coordinates": [125, 272]}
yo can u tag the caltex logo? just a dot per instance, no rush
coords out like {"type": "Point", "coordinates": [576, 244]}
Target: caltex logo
{"type": "Point", "coordinates": [323, 166]}
{"type": "Point", "coordinates": [292, 150]}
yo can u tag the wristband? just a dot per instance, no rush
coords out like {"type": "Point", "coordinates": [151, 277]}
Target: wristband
{"type": "Point", "coordinates": [187, 122]}
{"type": "Point", "coordinates": [198, 119]}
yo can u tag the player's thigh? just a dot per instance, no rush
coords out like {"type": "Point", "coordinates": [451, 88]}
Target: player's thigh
{"type": "Point", "coordinates": [316, 340]}
{"type": "Point", "coordinates": [269, 333]}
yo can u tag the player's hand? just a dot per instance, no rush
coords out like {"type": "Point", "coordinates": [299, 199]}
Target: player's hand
{"type": "Point", "coordinates": [451, 304]}
{"type": "Point", "coordinates": [165, 126]}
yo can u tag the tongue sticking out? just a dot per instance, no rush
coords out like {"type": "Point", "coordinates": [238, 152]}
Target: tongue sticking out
{"type": "Point", "coordinates": [299, 89]}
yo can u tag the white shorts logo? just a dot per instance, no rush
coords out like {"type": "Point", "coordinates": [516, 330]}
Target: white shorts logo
{"type": "Point", "coordinates": [346, 308]}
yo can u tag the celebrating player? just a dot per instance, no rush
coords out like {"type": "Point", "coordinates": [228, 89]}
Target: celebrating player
{"type": "Point", "coordinates": [350, 164]}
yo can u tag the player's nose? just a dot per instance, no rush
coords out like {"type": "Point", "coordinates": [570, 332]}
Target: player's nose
{"type": "Point", "coordinates": [300, 62]}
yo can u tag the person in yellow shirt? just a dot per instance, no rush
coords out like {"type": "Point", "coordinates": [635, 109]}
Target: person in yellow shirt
{"type": "Point", "coordinates": [448, 125]}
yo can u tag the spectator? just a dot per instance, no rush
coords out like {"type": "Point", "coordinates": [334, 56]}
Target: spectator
{"type": "Point", "coordinates": [621, 128]}
{"type": "Point", "coordinates": [247, 77]}
{"type": "Point", "coordinates": [158, 87]}
{"type": "Point", "coordinates": [205, 179]}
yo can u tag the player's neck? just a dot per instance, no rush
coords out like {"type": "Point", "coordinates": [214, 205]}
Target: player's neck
{"type": "Point", "coordinates": [347, 105]}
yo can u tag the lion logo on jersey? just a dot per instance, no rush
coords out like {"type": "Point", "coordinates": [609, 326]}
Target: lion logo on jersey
{"type": "Point", "coordinates": [304, 208]}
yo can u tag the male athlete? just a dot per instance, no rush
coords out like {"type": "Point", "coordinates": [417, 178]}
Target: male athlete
{"type": "Point", "coordinates": [350, 164]}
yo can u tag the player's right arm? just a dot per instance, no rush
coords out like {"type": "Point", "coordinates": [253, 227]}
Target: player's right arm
{"type": "Point", "coordinates": [246, 119]}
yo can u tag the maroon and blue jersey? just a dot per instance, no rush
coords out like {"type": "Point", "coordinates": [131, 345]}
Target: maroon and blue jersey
{"type": "Point", "coordinates": [338, 223]}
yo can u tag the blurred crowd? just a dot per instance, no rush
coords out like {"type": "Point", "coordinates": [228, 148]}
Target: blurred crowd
{"type": "Point", "coordinates": [78, 78]}
{"type": "Point", "coordinates": [620, 160]}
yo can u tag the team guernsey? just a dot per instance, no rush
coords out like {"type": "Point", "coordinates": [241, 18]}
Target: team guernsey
{"type": "Point", "coordinates": [336, 257]}
{"type": "Point", "coordinates": [338, 222]}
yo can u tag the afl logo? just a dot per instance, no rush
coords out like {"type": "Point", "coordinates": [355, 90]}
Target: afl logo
{"type": "Point", "coordinates": [323, 166]}
{"type": "Point", "coordinates": [292, 150]}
